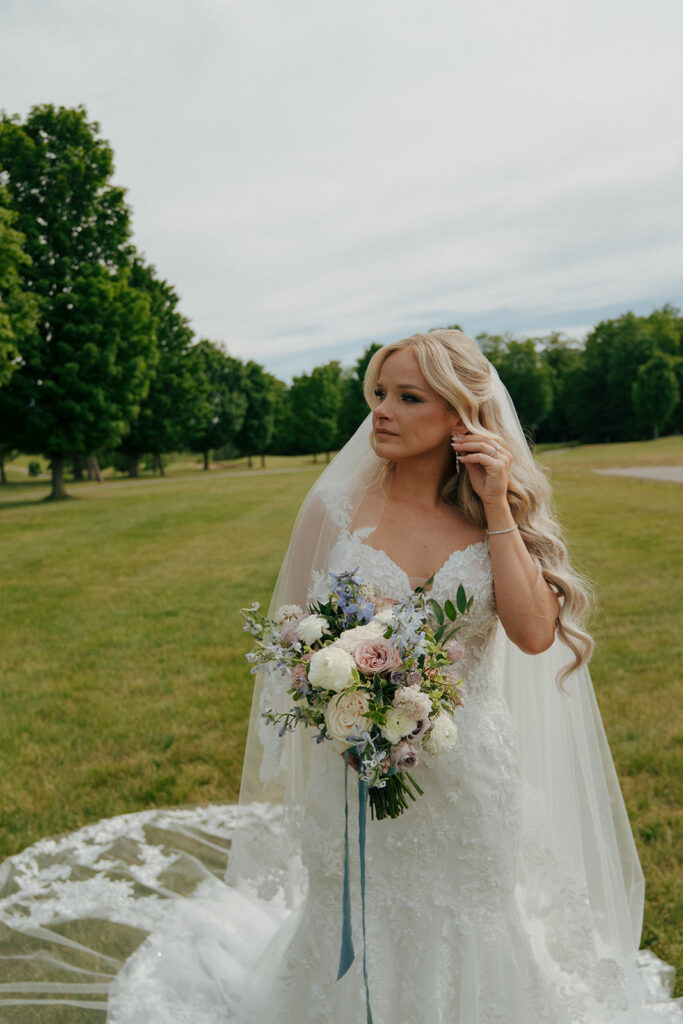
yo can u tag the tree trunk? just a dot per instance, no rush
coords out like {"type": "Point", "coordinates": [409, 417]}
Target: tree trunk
{"type": "Point", "coordinates": [206, 460]}
{"type": "Point", "coordinates": [158, 464]}
{"type": "Point", "coordinates": [78, 467]}
{"type": "Point", "coordinates": [94, 471]}
{"type": "Point", "coordinates": [655, 432]}
{"type": "Point", "coordinates": [263, 460]}
{"type": "Point", "coordinates": [58, 492]}
{"type": "Point", "coordinates": [315, 456]}
{"type": "Point", "coordinates": [250, 462]}
{"type": "Point", "coordinates": [133, 464]}
{"type": "Point", "coordinates": [3, 475]}
{"type": "Point", "coordinates": [327, 456]}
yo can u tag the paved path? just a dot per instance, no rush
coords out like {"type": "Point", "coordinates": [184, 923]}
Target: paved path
{"type": "Point", "coordinates": [673, 474]}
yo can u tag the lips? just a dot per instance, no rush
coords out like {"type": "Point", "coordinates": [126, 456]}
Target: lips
{"type": "Point", "coordinates": [384, 433]}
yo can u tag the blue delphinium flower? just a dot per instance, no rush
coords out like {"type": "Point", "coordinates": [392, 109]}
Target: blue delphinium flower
{"type": "Point", "coordinates": [407, 626]}
{"type": "Point", "coordinates": [351, 601]}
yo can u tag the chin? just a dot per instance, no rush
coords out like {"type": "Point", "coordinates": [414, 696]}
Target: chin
{"type": "Point", "coordinates": [382, 442]}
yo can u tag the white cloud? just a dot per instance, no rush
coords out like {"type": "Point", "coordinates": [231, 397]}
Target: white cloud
{"type": "Point", "coordinates": [313, 176]}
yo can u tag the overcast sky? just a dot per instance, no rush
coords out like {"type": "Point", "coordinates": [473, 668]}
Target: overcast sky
{"type": "Point", "coordinates": [313, 176]}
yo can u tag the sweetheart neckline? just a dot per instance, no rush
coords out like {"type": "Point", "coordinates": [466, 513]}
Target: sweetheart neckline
{"type": "Point", "coordinates": [380, 551]}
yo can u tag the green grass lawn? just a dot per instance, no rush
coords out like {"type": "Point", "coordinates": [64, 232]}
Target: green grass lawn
{"type": "Point", "coordinates": [123, 684]}
{"type": "Point", "coordinates": [177, 464]}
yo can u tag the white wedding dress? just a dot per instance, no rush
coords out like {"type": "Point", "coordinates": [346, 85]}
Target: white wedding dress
{"type": "Point", "coordinates": [469, 920]}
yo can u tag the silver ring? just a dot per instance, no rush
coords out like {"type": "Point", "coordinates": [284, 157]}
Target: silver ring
{"type": "Point", "coordinates": [494, 452]}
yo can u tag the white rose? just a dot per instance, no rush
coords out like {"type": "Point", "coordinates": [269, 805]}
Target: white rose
{"type": "Point", "coordinates": [396, 726]}
{"type": "Point", "coordinates": [345, 714]}
{"type": "Point", "coordinates": [350, 637]}
{"type": "Point", "coordinates": [331, 669]}
{"type": "Point", "coordinates": [385, 617]}
{"type": "Point", "coordinates": [312, 628]}
{"type": "Point", "coordinates": [442, 735]}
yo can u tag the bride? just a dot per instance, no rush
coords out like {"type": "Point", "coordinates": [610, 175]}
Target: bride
{"type": "Point", "coordinates": [510, 892]}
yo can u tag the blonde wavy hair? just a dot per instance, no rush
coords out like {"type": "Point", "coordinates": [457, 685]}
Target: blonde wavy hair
{"type": "Point", "coordinates": [454, 366]}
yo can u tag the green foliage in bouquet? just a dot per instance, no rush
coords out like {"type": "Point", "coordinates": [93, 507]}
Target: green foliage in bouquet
{"type": "Point", "coordinates": [374, 676]}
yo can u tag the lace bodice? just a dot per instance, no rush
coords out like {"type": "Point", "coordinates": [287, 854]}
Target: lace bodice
{"type": "Point", "coordinates": [470, 566]}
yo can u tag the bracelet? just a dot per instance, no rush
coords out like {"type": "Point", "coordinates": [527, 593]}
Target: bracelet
{"type": "Point", "coordinates": [509, 530]}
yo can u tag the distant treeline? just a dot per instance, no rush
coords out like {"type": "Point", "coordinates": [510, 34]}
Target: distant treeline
{"type": "Point", "coordinates": [98, 367]}
{"type": "Point", "coordinates": [624, 383]}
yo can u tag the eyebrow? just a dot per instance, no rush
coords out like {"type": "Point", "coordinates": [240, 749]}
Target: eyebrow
{"type": "Point", "coordinates": [404, 387]}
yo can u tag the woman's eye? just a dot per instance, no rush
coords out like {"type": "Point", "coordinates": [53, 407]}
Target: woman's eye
{"type": "Point", "coordinates": [407, 396]}
{"type": "Point", "coordinates": [379, 393]}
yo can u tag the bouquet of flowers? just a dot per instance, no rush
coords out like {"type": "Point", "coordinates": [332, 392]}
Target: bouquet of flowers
{"type": "Point", "coordinates": [377, 677]}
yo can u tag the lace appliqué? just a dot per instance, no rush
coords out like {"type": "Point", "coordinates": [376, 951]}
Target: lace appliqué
{"type": "Point", "coordinates": [337, 501]}
{"type": "Point", "coordinates": [119, 868]}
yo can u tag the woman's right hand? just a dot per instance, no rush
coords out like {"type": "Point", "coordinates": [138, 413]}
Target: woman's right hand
{"type": "Point", "coordinates": [488, 466]}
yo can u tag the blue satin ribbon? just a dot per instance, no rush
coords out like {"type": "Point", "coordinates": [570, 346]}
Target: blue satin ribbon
{"type": "Point", "coordinates": [362, 817]}
{"type": "Point", "coordinates": [347, 955]}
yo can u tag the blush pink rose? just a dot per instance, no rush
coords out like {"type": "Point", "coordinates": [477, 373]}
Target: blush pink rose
{"type": "Point", "coordinates": [378, 655]}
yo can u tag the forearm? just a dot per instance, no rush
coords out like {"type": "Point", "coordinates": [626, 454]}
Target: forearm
{"type": "Point", "coordinates": [526, 605]}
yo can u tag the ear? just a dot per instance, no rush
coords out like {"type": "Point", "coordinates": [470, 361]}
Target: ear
{"type": "Point", "coordinates": [457, 425]}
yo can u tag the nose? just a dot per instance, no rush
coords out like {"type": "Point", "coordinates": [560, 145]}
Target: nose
{"type": "Point", "coordinates": [381, 410]}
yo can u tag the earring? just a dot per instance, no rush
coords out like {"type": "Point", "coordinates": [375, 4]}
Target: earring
{"type": "Point", "coordinates": [457, 460]}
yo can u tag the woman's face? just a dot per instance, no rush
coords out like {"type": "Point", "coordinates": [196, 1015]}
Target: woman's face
{"type": "Point", "coordinates": [410, 418]}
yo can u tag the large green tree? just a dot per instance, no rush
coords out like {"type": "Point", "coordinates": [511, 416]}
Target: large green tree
{"type": "Point", "coordinates": [258, 424]}
{"type": "Point", "coordinates": [528, 379]}
{"type": "Point", "coordinates": [281, 442]}
{"type": "Point", "coordinates": [667, 332]}
{"type": "Point", "coordinates": [666, 326]}
{"type": "Point", "coordinates": [615, 349]}
{"type": "Point", "coordinates": [315, 400]}
{"type": "Point", "coordinates": [493, 345]}
{"type": "Point", "coordinates": [219, 412]}
{"type": "Point", "coordinates": [655, 392]}
{"type": "Point", "coordinates": [18, 318]}
{"type": "Point", "coordinates": [18, 308]}
{"type": "Point", "coordinates": [170, 408]}
{"type": "Point", "coordinates": [677, 416]}
{"type": "Point", "coordinates": [86, 368]}
{"type": "Point", "coordinates": [563, 358]}
{"type": "Point", "coordinates": [79, 392]}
